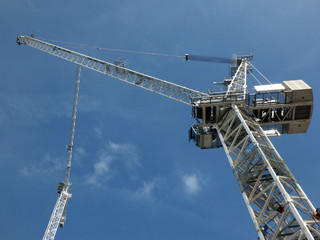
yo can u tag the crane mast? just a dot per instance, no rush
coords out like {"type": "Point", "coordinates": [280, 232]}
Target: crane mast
{"type": "Point", "coordinates": [277, 204]}
{"type": "Point", "coordinates": [241, 123]}
{"type": "Point", "coordinates": [58, 216]}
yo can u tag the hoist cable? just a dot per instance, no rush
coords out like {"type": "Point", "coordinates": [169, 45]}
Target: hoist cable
{"type": "Point", "coordinates": [77, 45]}
{"type": "Point", "coordinates": [187, 57]}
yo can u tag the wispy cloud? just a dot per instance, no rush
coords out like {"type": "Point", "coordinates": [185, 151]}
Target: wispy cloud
{"type": "Point", "coordinates": [45, 166]}
{"type": "Point", "coordinates": [97, 132]}
{"type": "Point", "coordinates": [79, 154]}
{"type": "Point", "coordinates": [146, 190]}
{"type": "Point", "coordinates": [101, 171]}
{"type": "Point", "coordinates": [191, 183]}
{"type": "Point", "coordinates": [36, 108]}
{"type": "Point", "coordinates": [111, 158]}
{"type": "Point", "coordinates": [31, 109]}
{"type": "Point", "coordinates": [33, 8]}
{"type": "Point", "coordinates": [128, 154]}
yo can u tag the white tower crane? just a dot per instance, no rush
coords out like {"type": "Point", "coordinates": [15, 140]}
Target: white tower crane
{"type": "Point", "coordinates": [240, 122]}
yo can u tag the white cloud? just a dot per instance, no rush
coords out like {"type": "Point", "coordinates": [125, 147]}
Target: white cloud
{"type": "Point", "coordinates": [78, 154]}
{"type": "Point", "coordinates": [81, 152]}
{"type": "Point", "coordinates": [32, 109]}
{"type": "Point", "coordinates": [33, 8]}
{"type": "Point", "coordinates": [191, 183]}
{"type": "Point", "coordinates": [24, 172]}
{"type": "Point", "coordinates": [121, 155]}
{"type": "Point", "coordinates": [103, 166]}
{"type": "Point", "coordinates": [101, 170]}
{"type": "Point", "coordinates": [127, 153]}
{"type": "Point", "coordinates": [45, 166]}
{"type": "Point", "coordinates": [146, 190]}
{"type": "Point", "coordinates": [97, 132]}
{"type": "Point", "coordinates": [36, 108]}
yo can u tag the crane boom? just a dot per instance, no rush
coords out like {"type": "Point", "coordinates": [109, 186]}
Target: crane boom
{"type": "Point", "coordinates": [73, 124]}
{"type": "Point", "coordinates": [156, 85]}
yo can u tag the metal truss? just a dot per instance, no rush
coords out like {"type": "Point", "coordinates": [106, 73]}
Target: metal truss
{"type": "Point", "coordinates": [156, 85]}
{"type": "Point", "coordinates": [284, 113]}
{"type": "Point", "coordinates": [56, 215]}
{"type": "Point", "coordinates": [73, 124]}
{"type": "Point", "coordinates": [60, 210]}
{"type": "Point", "coordinates": [277, 204]}
{"type": "Point", "coordinates": [237, 87]}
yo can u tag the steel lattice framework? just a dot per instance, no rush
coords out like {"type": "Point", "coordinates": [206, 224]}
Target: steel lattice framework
{"type": "Point", "coordinates": [277, 204]}
{"type": "Point", "coordinates": [238, 87]}
{"type": "Point", "coordinates": [156, 85]}
{"type": "Point", "coordinates": [56, 215]}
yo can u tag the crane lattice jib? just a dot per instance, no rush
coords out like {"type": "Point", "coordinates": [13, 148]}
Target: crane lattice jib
{"type": "Point", "coordinates": [60, 209]}
{"type": "Point", "coordinates": [238, 86]}
{"type": "Point", "coordinates": [56, 215]}
{"type": "Point", "coordinates": [277, 204]}
{"type": "Point", "coordinates": [156, 85]}
{"type": "Point", "coordinates": [73, 125]}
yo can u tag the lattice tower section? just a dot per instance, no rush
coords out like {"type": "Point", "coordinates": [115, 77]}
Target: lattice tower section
{"type": "Point", "coordinates": [277, 204]}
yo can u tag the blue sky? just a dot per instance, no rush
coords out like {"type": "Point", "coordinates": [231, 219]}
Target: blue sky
{"type": "Point", "coordinates": [134, 173]}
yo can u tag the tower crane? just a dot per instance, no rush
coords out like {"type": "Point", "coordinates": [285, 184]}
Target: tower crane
{"type": "Point", "coordinates": [241, 123]}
